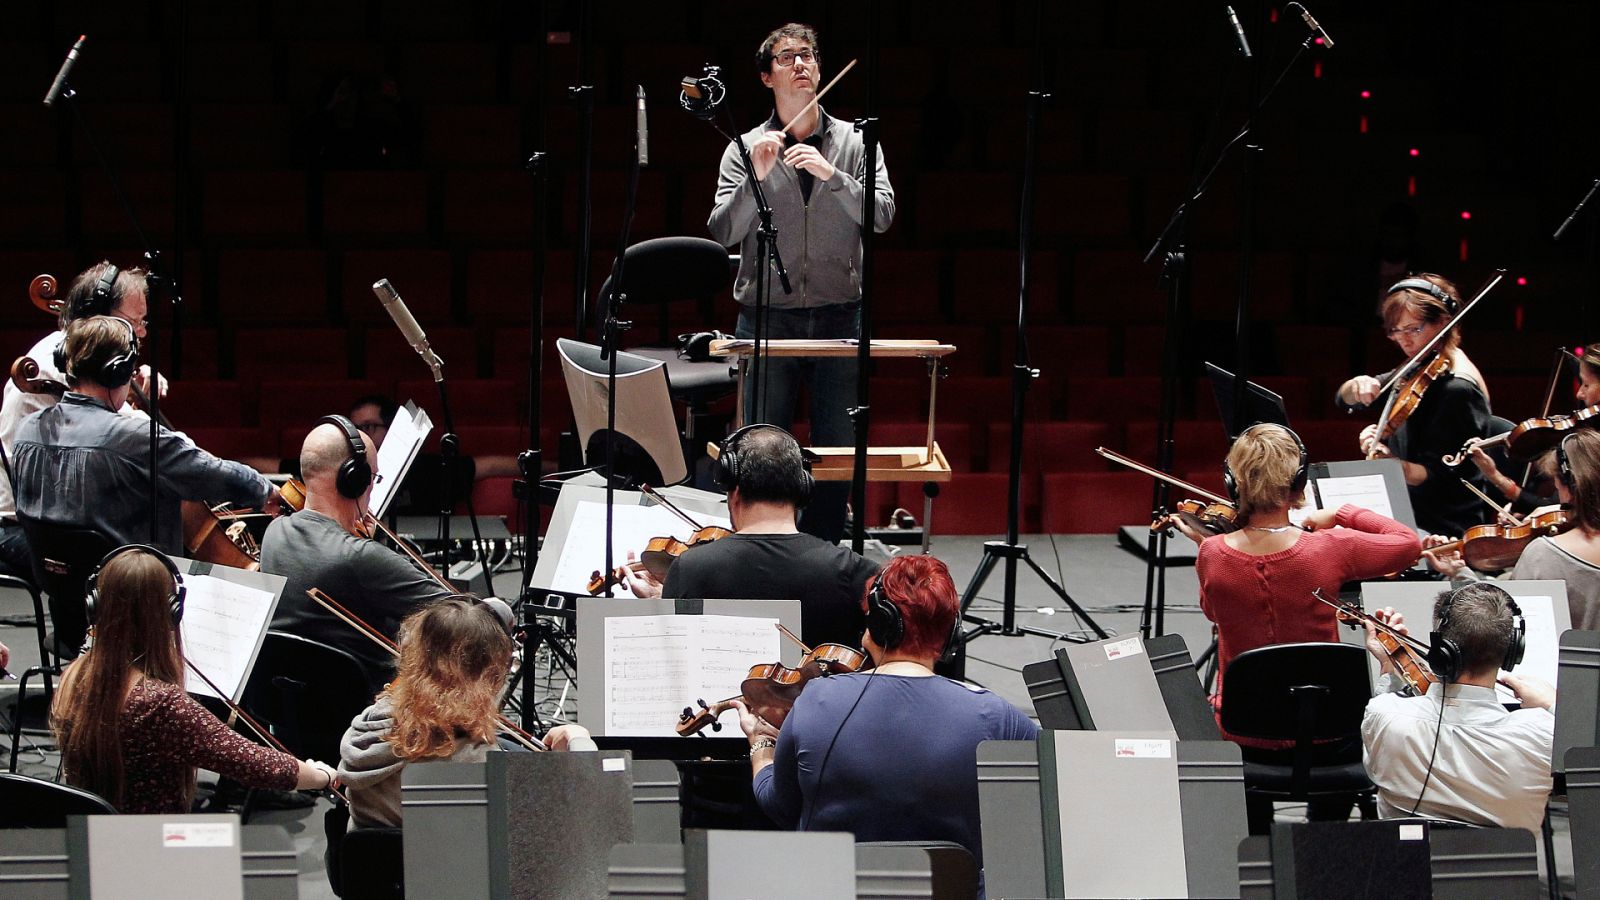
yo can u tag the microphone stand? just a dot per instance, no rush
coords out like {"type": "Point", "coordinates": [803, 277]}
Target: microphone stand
{"type": "Point", "coordinates": [610, 336]}
{"type": "Point", "coordinates": [861, 414]}
{"type": "Point", "coordinates": [1586, 318]}
{"type": "Point", "coordinates": [158, 286]}
{"type": "Point", "coordinates": [582, 94]}
{"type": "Point", "coordinates": [1171, 247]}
{"type": "Point", "coordinates": [449, 455]}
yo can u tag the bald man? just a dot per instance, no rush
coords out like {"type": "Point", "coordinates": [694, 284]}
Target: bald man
{"type": "Point", "coordinates": [318, 547]}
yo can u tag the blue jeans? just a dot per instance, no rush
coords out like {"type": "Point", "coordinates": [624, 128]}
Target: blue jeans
{"type": "Point", "coordinates": [831, 382]}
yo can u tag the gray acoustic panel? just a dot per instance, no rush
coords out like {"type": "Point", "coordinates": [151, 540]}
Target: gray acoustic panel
{"type": "Point", "coordinates": [1013, 824]}
{"type": "Point", "coordinates": [936, 870]}
{"type": "Point", "coordinates": [1464, 863]}
{"type": "Point", "coordinates": [446, 834]}
{"type": "Point", "coordinates": [1578, 683]}
{"type": "Point", "coordinates": [1181, 690]}
{"type": "Point", "coordinates": [1255, 868]}
{"type": "Point", "coordinates": [775, 865]}
{"type": "Point", "coordinates": [33, 864]}
{"type": "Point", "coordinates": [1114, 685]}
{"type": "Point", "coordinates": [646, 872]}
{"type": "Point", "coordinates": [656, 811]}
{"type": "Point", "coordinates": [553, 818]}
{"type": "Point", "coordinates": [154, 857]}
{"type": "Point", "coordinates": [1211, 797]}
{"type": "Point", "coordinates": [1583, 802]}
{"type": "Point", "coordinates": [271, 867]}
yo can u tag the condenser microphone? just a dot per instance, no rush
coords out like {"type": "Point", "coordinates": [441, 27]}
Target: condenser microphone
{"type": "Point", "coordinates": [66, 70]}
{"type": "Point", "coordinates": [409, 329]}
{"type": "Point", "coordinates": [1238, 34]}
{"type": "Point", "coordinates": [642, 132]}
{"type": "Point", "coordinates": [702, 97]}
{"type": "Point", "coordinates": [1315, 26]}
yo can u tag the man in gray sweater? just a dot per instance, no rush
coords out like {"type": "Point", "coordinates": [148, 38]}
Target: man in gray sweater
{"type": "Point", "coordinates": [813, 179]}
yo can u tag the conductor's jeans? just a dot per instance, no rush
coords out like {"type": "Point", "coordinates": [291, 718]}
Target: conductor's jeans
{"type": "Point", "coordinates": [831, 383]}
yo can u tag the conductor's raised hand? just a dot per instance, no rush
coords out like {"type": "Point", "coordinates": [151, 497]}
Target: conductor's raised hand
{"type": "Point", "coordinates": [809, 159]}
{"type": "Point", "coordinates": [764, 153]}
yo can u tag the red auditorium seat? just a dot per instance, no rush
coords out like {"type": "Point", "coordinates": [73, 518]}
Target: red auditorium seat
{"type": "Point", "coordinates": [906, 287]}
{"type": "Point", "coordinates": [232, 443]}
{"type": "Point", "coordinates": [988, 399]}
{"type": "Point", "coordinates": [610, 187]}
{"type": "Point", "coordinates": [150, 192]}
{"type": "Point", "coordinates": [143, 135]}
{"type": "Point", "coordinates": [974, 503]}
{"type": "Point", "coordinates": [1518, 397]}
{"type": "Point", "coordinates": [964, 207]}
{"type": "Point", "coordinates": [444, 71]}
{"type": "Point", "coordinates": [18, 268]}
{"type": "Point", "coordinates": [1195, 445]}
{"type": "Point", "coordinates": [1113, 399]}
{"type": "Point", "coordinates": [954, 439]}
{"type": "Point", "coordinates": [494, 497]}
{"type": "Point", "coordinates": [1144, 140]}
{"type": "Point", "coordinates": [201, 352]}
{"type": "Point", "coordinates": [311, 63]}
{"type": "Point", "coordinates": [1319, 351]}
{"type": "Point", "coordinates": [218, 56]}
{"type": "Point", "coordinates": [985, 286]}
{"type": "Point", "coordinates": [269, 286]}
{"type": "Point", "coordinates": [389, 356]}
{"type": "Point", "coordinates": [1060, 142]}
{"type": "Point", "coordinates": [1331, 440]}
{"type": "Point", "coordinates": [422, 277]}
{"type": "Point", "coordinates": [1054, 446]}
{"type": "Point", "coordinates": [1114, 287]}
{"type": "Point", "coordinates": [499, 283]}
{"type": "Point", "coordinates": [197, 403]}
{"type": "Point", "coordinates": [1094, 502]}
{"type": "Point", "coordinates": [475, 136]}
{"type": "Point", "coordinates": [1303, 398]}
{"type": "Point", "coordinates": [490, 205]}
{"type": "Point", "coordinates": [287, 405]}
{"type": "Point", "coordinates": [1214, 286]}
{"type": "Point", "coordinates": [481, 401]}
{"type": "Point", "coordinates": [974, 344]}
{"type": "Point", "coordinates": [1058, 349]}
{"type": "Point", "coordinates": [260, 353]}
{"type": "Point", "coordinates": [363, 205]}
{"type": "Point", "coordinates": [255, 204]}
{"type": "Point", "coordinates": [1083, 206]}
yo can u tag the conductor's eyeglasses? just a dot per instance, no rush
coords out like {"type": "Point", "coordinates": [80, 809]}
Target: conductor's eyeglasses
{"type": "Point", "coordinates": [786, 58]}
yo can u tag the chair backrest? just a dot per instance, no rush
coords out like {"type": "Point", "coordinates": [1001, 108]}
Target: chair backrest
{"type": "Point", "coordinates": [63, 558]}
{"type": "Point", "coordinates": [308, 691]}
{"type": "Point", "coordinates": [31, 803]}
{"type": "Point", "coordinates": [1263, 689]}
{"type": "Point", "coordinates": [663, 270]}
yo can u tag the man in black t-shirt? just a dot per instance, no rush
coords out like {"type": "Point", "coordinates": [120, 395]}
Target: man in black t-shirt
{"type": "Point", "coordinates": [768, 558]}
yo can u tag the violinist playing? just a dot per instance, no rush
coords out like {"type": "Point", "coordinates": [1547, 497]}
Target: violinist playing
{"type": "Point", "coordinates": [127, 729]}
{"type": "Point", "coordinates": [1453, 408]}
{"type": "Point", "coordinates": [325, 545]}
{"type": "Point", "coordinates": [100, 290]}
{"type": "Point", "coordinates": [1574, 555]}
{"type": "Point", "coordinates": [1256, 583]}
{"type": "Point", "coordinates": [767, 557]}
{"type": "Point", "coordinates": [890, 754]}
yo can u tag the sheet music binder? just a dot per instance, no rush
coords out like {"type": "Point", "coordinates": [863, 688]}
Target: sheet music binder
{"type": "Point", "coordinates": [34, 863]}
{"type": "Point", "coordinates": [1061, 703]}
{"type": "Point", "coordinates": [1459, 863]}
{"type": "Point", "coordinates": [1582, 765]}
{"type": "Point", "coordinates": [1578, 712]}
{"type": "Point", "coordinates": [153, 857]}
{"type": "Point", "coordinates": [1114, 686]}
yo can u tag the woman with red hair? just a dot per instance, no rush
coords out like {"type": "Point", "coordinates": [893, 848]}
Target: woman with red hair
{"type": "Point", "coordinates": [890, 754]}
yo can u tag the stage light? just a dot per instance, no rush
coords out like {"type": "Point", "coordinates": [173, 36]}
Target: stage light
{"type": "Point", "coordinates": [1366, 95]}
{"type": "Point", "coordinates": [1522, 281]}
{"type": "Point", "coordinates": [1415, 152]}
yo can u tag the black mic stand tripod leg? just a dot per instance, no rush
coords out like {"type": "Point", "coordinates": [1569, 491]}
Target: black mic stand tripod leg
{"type": "Point", "coordinates": [994, 552]}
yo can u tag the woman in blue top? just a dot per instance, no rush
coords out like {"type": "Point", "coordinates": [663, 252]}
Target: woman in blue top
{"type": "Point", "coordinates": [890, 754]}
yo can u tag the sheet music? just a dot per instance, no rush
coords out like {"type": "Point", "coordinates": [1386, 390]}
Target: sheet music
{"type": "Point", "coordinates": [223, 623]}
{"type": "Point", "coordinates": [657, 665]}
{"type": "Point", "coordinates": [634, 526]}
{"type": "Point", "coordinates": [1366, 491]}
{"type": "Point", "coordinates": [405, 438]}
{"type": "Point", "coordinates": [1540, 660]}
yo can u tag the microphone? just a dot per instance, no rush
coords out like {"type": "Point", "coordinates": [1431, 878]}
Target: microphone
{"type": "Point", "coordinates": [1315, 26]}
{"type": "Point", "coordinates": [409, 329]}
{"type": "Point", "coordinates": [701, 97]}
{"type": "Point", "coordinates": [1238, 33]}
{"type": "Point", "coordinates": [66, 69]}
{"type": "Point", "coordinates": [642, 133]}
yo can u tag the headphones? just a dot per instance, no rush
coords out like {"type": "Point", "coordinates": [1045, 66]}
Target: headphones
{"type": "Point", "coordinates": [101, 298]}
{"type": "Point", "coordinates": [887, 624]}
{"type": "Point", "coordinates": [1302, 470]}
{"type": "Point", "coordinates": [1444, 654]}
{"type": "Point", "coordinates": [91, 597]}
{"type": "Point", "coordinates": [1564, 465]}
{"type": "Point", "coordinates": [355, 474]}
{"type": "Point", "coordinates": [696, 346]}
{"type": "Point", "coordinates": [726, 473]}
{"type": "Point", "coordinates": [112, 373]}
{"type": "Point", "coordinates": [1426, 287]}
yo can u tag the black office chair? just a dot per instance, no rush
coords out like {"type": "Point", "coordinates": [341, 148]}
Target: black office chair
{"type": "Point", "coordinates": [307, 691]}
{"type": "Point", "coordinates": [1313, 695]}
{"type": "Point", "coordinates": [364, 864]}
{"type": "Point", "coordinates": [48, 669]}
{"type": "Point", "coordinates": [33, 803]}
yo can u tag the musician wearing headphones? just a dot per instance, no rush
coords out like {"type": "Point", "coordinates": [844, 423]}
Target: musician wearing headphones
{"type": "Point", "coordinates": [1456, 753]}
{"type": "Point", "coordinates": [81, 464]}
{"type": "Point", "coordinates": [890, 754]}
{"type": "Point", "coordinates": [324, 546]}
{"type": "Point", "coordinates": [1574, 555]}
{"type": "Point", "coordinates": [813, 179]}
{"type": "Point", "coordinates": [127, 729]}
{"type": "Point", "coordinates": [1256, 583]}
{"type": "Point", "coordinates": [1454, 408]}
{"type": "Point", "coordinates": [765, 474]}
{"type": "Point", "coordinates": [100, 290]}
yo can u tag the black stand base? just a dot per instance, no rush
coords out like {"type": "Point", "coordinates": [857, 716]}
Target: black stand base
{"type": "Point", "coordinates": [994, 552]}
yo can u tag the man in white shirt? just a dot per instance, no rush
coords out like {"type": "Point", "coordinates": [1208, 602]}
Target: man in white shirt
{"type": "Point", "coordinates": [1476, 762]}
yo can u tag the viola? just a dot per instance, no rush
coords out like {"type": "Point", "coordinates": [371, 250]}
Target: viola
{"type": "Point", "coordinates": [1495, 547]}
{"type": "Point", "coordinates": [770, 689]}
{"type": "Point", "coordinates": [1531, 438]}
{"type": "Point", "coordinates": [1401, 649]}
{"type": "Point", "coordinates": [658, 556]}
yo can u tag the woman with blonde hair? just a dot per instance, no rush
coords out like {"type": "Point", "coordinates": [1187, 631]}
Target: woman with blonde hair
{"type": "Point", "coordinates": [127, 729]}
{"type": "Point", "coordinates": [443, 704]}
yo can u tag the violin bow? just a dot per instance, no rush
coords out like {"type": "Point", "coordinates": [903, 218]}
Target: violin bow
{"type": "Point", "coordinates": [1503, 510]}
{"type": "Point", "coordinates": [238, 712]}
{"type": "Point", "coordinates": [1159, 475]}
{"type": "Point", "coordinates": [377, 637]}
{"type": "Point", "coordinates": [1365, 616]}
{"type": "Point", "coordinates": [657, 496]}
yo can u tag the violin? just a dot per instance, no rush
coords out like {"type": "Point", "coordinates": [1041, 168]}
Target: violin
{"type": "Point", "coordinates": [1531, 438]}
{"type": "Point", "coordinates": [770, 689]}
{"type": "Point", "coordinates": [658, 556]}
{"type": "Point", "coordinates": [1417, 377]}
{"type": "Point", "coordinates": [1213, 514]}
{"type": "Point", "coordinates": [1401, 649]}
{"type": "Point", "coordinates": [1495, 547]}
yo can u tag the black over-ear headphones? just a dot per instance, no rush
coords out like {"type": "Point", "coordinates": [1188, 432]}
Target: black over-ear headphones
{"type": "Point", "coordinates": [887, 624]}
{"type": "Point", "coordinates": [1564, 465]}
{"type": "Point", "coordinates": [1426, 287]}
{"type": "Point", "coordinates": [355, 474]}
{"type": "Point", "coordinates": [730, 464]}
{"type": "Point", "coordinates": [1302, 470]}
{"type": "Point", "coordinates": [102, 297]}
{"type": "Point", "coordinates": [1444, 654]}
{"type": "Point", "coordinates": [115, 371]}
{"type": "Point", "coordinates": [91, 596]}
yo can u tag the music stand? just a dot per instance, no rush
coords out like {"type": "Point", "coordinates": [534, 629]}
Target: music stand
{"type": "Point", "coordinates": [649, 450]}
{"type": "Point", "coordinates": [1261, 405]}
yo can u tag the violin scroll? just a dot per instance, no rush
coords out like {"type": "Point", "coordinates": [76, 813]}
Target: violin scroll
{"type": "Point", "coordinates": [44, 291]}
